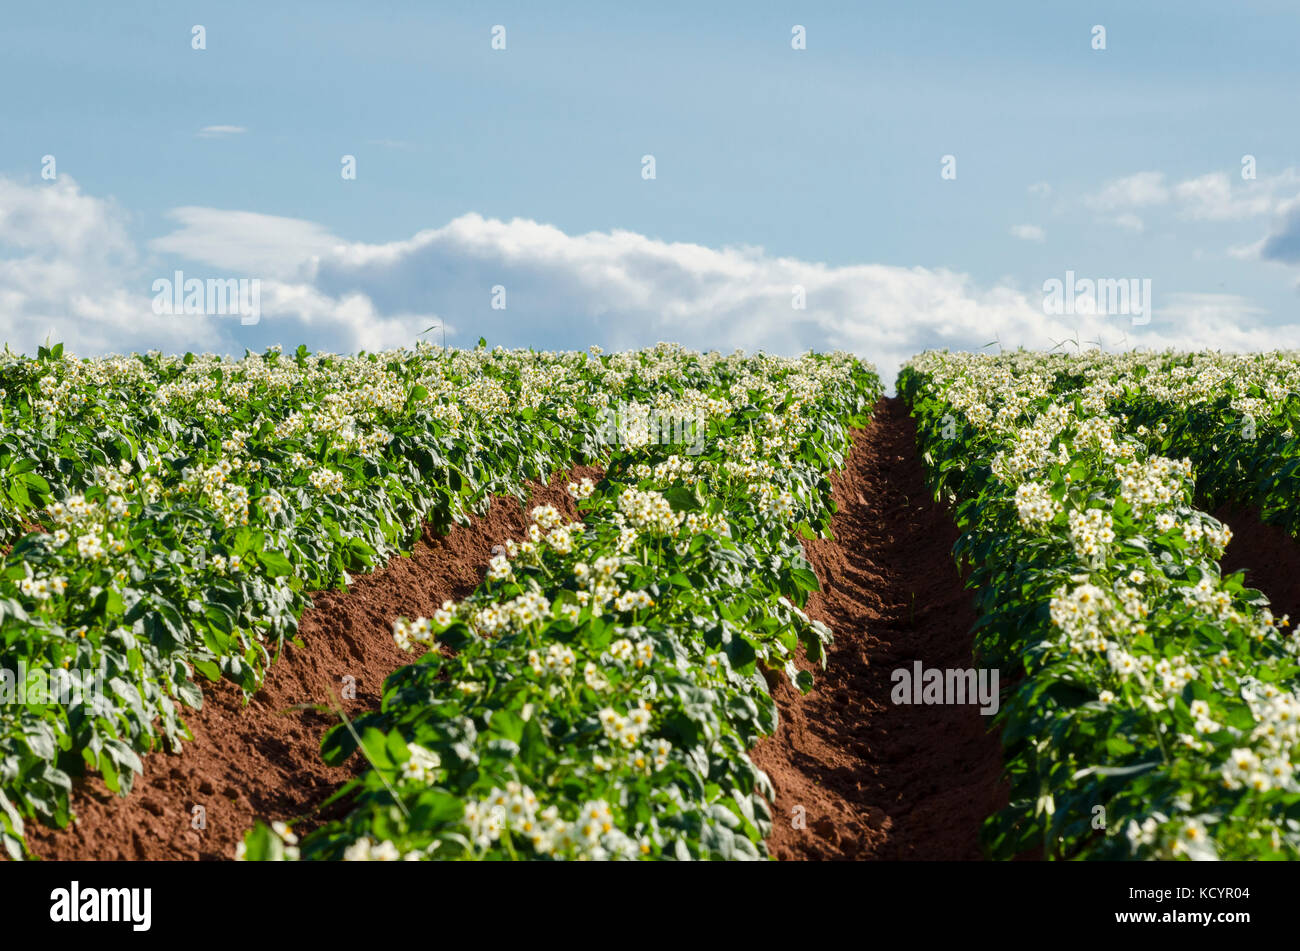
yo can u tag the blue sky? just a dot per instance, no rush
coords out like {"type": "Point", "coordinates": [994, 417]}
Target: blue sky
{"type": "Point", "coordinates": [828, 156]}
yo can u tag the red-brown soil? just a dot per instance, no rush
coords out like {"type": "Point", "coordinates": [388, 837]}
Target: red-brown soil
{"type": "Point", "coordinates": [878, 780]}
{"type": "Point", "coordinates": [1269, 556]}
{"type": "Point", "coordinates": [261, 759]}
{"type": "Point", "coordinates": [856, 776]}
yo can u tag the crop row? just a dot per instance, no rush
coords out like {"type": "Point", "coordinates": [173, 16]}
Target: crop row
{"type": "Point", "coordinates": [1154, 710]}
{"type": "Point", "coordinates": [167, 515]}
{"type": "Point", "coordinates": [1236, 416]}
{"type": "Point", "coordinates": [597, 695]}
{"type": "Point", "coordinates": [163, 516]}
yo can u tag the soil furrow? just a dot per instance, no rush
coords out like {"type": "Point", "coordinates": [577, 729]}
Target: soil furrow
{"type": "Point", "coordinates": [857, 776]}
{"type": "Point", "coordinates": [1269, 556]}
{"type": "Point", "coordinates": [261, 759]}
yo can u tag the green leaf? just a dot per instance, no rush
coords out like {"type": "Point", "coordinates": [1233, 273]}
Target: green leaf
{"type": "Point", "coordinates": [208, 669]}
{"type": "Point", "coordinates": [805, 579]}
{"type": "Point", "coordinates": [276, 564]}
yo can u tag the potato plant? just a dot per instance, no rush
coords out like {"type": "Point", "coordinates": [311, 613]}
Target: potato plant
{"type": "Point", "coordinates": [596, 697]}
{"type": "Point", "coordinates": [1154, 712]}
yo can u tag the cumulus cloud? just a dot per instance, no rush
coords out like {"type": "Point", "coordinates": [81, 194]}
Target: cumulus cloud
{"type": "Point", "coordinates": [1283, 243]}
{"type": "Point", "coordinates": [1133, 191]}
{"type": "Point", "coordinates": [67, 262]}
{"type": "Point", "coordinates": [70, 272]}
{"type": "Point", "coordinates": [1028, 233]}
{"type": "Point", "coordinates": [621, 289]}
{"type": "Point", "coordinates": [254, 245]}
{"type": "Point", "coordinates": [57, 219]}
{"type": "Point", "coordinates": [1217, 322]}
{"type": "Point", "coordinates": [1212, 197]}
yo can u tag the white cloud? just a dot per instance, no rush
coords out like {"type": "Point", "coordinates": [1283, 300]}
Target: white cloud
{"type": "Point", "coordinates": [220, 131]}
{"type": "Point", "coordinates": [1135, 191]}
{"type": "Point", "coordinates": [1218, 321]}
{"type": "Point", "coordinates": [622, 289]}
{"type": "Point", "coordinates": [1213, 197]}
{"type": "Point", "coordinates": [69, 272]}
{"type": "Point", "coordinates": [251, 244]}
{"type": "Point", "coordinates": [78, 272]}
{"type": "Point", "coordinates": [1040, 189]}
{"type": "Point", "coordinates": [1248, 252]}
{"type": "Point", "coordinates": [1283, 242]}
{"type": "Point", "coordinates": [1028, 233]}
{"type": "Point", "coordinates": [1220, 197]}
{"type": "Point", "coordinates": [55, 218]}
{"type": "Point", "coordinates": [1209, 196]}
